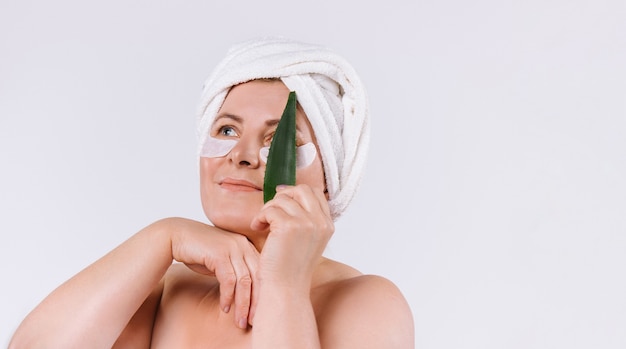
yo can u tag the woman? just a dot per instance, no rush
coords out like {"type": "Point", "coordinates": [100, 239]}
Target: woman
{"type": "Point", "coordinates": [256, 278]}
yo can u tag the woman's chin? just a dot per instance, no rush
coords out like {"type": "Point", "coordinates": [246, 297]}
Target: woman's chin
{"type": "Point", "coordinates": [236, 223]}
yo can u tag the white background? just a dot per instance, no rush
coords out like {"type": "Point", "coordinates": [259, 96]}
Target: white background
{"type": "Point", "coordinates": [494, 198]}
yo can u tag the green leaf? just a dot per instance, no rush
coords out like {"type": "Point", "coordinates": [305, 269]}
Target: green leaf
{"type": "Point", "coordinates": [281, 160]}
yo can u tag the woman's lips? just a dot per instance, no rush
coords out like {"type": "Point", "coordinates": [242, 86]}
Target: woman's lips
{"type": "Point", "coordinates": [238, 185]}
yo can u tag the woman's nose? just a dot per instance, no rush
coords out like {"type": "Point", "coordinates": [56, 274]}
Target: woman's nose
{"type": "Point", "coordinates": [245, 153]}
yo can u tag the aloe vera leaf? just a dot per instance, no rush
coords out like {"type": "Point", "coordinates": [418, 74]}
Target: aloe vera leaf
{"type": "Point", "coordinates": [281, 160]}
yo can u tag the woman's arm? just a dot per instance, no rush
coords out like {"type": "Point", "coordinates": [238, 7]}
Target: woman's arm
{"type": "Point", "coordinates": [138, 332]}
{"type": "Point", "coordinates": [360, 312]}
{"type": "Point", "coordinates": [93, 308]}
{"type": "Point", "coordinates": [300, 226]}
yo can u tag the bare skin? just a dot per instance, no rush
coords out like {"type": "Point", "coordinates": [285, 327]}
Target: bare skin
{"type": "Point", "coordinates": [256, 279]}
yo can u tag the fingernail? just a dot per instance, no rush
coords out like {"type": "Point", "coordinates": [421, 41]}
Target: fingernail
{"type": "Point", "coordinates": [243, 323]}
{"type": "Point", "coordinates": [280, 187]}
{"type": "Point", "coordinates": [226, 308]}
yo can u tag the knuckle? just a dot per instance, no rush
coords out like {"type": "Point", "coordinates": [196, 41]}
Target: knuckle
{"type": "Point", "coordinates": [243, 308]}
{"type": "Point", "coordinates": [240, 239]}
{"type": "Point", "coordinates": [309, 225]}
{"type": "Point", "coordinates": [229, 279]}
{"type": "Point", "coordinates": [244, 281]}
{"type": "Point", "coordinates": [329, 227]}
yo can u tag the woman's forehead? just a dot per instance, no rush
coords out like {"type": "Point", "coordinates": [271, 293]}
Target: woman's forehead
{"type": "Point", "coordinates": [265, 99]}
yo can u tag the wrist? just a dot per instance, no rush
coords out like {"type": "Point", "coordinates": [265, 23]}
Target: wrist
{"type": "Point", "coordinates": [165, 233]}
{"type": "Point", "coordinates": [285, 288]}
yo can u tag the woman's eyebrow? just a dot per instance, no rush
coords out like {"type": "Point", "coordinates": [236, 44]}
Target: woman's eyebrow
{"type": "Point", "coordinates": [236, 118]}
{"type": "Point", "coordinates": [239, 119]}
{"type": "Point", "coordinates": [274, 122]}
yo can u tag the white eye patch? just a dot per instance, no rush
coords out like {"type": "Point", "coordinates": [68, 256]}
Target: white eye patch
{"type": "Point", "coordinates": [305, 154]}
{"type": "Point", "coordinates": [217, 148]}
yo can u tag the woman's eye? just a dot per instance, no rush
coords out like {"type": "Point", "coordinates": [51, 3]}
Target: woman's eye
{"type": "Point", "coordinates": [227, 131]}
{"type": "Point", "coordinates": [268, 139]}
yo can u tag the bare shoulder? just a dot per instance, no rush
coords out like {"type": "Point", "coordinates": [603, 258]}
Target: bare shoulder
{"type": "Point", "coordinates": [366, 309]}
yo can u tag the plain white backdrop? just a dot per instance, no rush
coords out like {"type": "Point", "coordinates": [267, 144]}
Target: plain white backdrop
{"type": "Point", "coordinates": [495, 194]}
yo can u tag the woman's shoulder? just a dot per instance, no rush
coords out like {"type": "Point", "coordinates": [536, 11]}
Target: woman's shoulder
{"type": "Point", "coordinates": [338, 276]}
{"type": "Point", "coordinates": [339, 279]}
{"type": "Point", "coordinates": [357, 301]}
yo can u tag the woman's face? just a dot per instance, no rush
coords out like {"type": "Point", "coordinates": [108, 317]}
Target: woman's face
{"type": "Point", "coordinates": [232, 185]}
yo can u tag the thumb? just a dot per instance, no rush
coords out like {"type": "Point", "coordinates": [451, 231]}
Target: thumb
{"type": "Point", "coordinates": [259, 223]}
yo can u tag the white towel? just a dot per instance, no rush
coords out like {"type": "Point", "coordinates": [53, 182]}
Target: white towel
{"type": "Point", "coordinates": [327, 88]}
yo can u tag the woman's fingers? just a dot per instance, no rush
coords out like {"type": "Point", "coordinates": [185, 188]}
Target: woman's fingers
{"type": "Point", "coordinates": [227, 278]}
{"type": "Point", "coordinates": [254, 303]}
{"type": "Point", "coordinates": [253, 265]}
{"type": "Point", "coordinates": [230, 257]}
{"type": "Point", "coordinates": [295, 198]}
{"type": "Point", "coordinates": [307, 198]}
{"type": "Point", "coordinates": [292, 202]}
{"type": "Point", "coordinates": [322, 202]}
{"type": "Point", "coordinates": [243, 291]}
{"type": "Point", "coordinates": [236, 275]}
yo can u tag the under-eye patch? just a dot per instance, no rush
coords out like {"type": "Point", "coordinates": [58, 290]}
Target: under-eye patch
{"type": "Point", "coordinates": [305, 154]}
{"type": "Point", "coordinates": [217, 148]}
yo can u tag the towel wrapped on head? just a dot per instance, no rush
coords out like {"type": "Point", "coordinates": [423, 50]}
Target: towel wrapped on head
{"type": "Point", "coordinates": [329, 91]}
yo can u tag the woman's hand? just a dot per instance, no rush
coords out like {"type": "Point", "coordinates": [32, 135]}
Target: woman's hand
{"type": "Point", "coordinates": [230, 257]}
{"type": "Point", "coordinates": [300, 226]}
